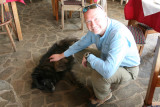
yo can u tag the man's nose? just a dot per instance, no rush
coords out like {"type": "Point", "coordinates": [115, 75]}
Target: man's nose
{"type": "Point", "coordinates": [93, 23]}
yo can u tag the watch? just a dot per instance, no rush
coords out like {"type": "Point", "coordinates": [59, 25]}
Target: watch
{"type": "Point", "coordinates": [86, 55]}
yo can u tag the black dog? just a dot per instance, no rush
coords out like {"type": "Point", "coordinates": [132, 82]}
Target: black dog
{"type": "Point", "coordinates": [47, 74]}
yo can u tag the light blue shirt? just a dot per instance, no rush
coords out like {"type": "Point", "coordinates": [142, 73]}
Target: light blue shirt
{"type": "Point", "coordinates": [117, 46]}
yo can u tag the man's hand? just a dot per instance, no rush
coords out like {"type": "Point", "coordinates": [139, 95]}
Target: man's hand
{"type": "Point", "coordinates": [56, 57]}
{"type": "Point", "coordinates": [84, 61]}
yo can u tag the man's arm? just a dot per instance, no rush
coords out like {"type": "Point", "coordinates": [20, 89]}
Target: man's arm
{"type": "Point", "coordinates": [84, 42]}
{"type": "Point", "coordinates": [116, 52]}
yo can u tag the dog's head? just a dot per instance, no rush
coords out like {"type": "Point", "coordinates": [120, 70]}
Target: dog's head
{"type": "Point", "coordinates": [46, 75]}
{"type": "Point", "coordinates": [44, 79]}
{"type": "Point", "coordinates": [64, 64]}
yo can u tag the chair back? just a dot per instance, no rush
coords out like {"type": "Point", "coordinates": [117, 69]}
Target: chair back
{"type": "Point", "coordinates": [72, 5]}
{"type": "Point", "coordinates": [154, 78]}
{"type": "Point", "coordinates": [139, 37]}
{"type": "Point", "coordinates": [6, 23]}
{"type": "Point", "coordinates": [4, 16]}
{"type": "Point", "coordinates": [72, 2]}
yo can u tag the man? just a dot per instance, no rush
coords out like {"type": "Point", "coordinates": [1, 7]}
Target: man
{"type": "Point", "coordinates": [116, 60]}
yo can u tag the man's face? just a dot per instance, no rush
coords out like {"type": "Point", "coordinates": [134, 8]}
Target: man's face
{"type": "Point", "coordinates": [96, 20]}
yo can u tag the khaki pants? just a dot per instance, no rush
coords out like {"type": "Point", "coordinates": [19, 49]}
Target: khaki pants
{"type": "Point", "coordinates": [101, 86]}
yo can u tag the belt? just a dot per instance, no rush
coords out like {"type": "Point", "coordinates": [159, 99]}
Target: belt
{"type": "Point", "coordinates": [129, 67]}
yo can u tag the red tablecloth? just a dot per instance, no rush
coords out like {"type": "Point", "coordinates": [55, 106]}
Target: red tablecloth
{"type": "Point", "coordinates": [22, 1]}
{"type": "Point", "coordinates": [133, 11]}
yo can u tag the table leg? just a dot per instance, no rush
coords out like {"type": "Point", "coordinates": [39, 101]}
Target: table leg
{"type": "Point", "coordinates": [56, 9]}
{"type": "Point", "coordinates": [91, 1]}
{"type": "Point", "coordinates": [16, 19]}
{"type": "Point", "coordinates": [53, 7]}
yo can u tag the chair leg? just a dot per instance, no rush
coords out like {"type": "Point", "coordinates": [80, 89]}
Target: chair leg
{"type": "Point", "coordinates": [145, 34]}
{"type": "Point", "coordinates": [103, 3]}
{"type": "Point", "coordinates": [14, 30]}
{"type": "Point", "coordinates": [66, 16]}
{"type": "Point", "coordinates": [91, 1]}
{"type": "Point", "coordinates": [149, 96]}
{"type": "Point", "coordinates": [62, 19]}
{"type": "Point", "coordinates": [56, 9]}
{"type": "Point", "coordinates": [10, 37]}
{"type": "Point", "coordinates": [126, 1]}
{"type": "Point", "coordinates": [141, 50]}
{"type": "Point", "coordinates": [53, 7]}
{"type": "Point", "coordinates": [121, 2]}
{"type": "Point", "coordinates": [82, 21]}
{"type": "Point", "coordinates": [70, 14]}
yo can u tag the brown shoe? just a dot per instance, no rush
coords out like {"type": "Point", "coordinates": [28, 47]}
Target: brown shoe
{"type": "Point", "coordinates": [96, 102]}
{"type": "Point", "coordinates": [106, 99]}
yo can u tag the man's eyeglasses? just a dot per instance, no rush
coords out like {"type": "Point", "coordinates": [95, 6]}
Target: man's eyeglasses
{"type": "Point", "coordinates": [92, 6]}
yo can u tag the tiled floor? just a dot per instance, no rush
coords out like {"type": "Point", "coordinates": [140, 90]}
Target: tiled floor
{"type": "Point", "coordinates": [40, 31]}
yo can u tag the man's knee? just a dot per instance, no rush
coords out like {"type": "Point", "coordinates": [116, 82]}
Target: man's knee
{"type": "Point", "coordinates": [98, 80]}
{"type": "Point", "coordinates": [134, 71]}
{"type": "Point", "coordinates": [100, 86]}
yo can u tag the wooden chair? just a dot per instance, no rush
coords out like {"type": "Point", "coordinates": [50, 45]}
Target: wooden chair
{"type": "Point", "coordinates": [138, 37]}
{"type": "Point", "coordinates": [145, 29]}
{"type": "Point", "coordinates": [154, 78]}
{"type": "Point", "coordinates": [6, 22]}
{"type": "Point", "coordinates": [72, 5]}
{"type": "Point", "coordinates": [121, 1]}
{"type": "Point", "coordinates": [103, 3]}
{"type": "Point", "coordinates": [55, 8]}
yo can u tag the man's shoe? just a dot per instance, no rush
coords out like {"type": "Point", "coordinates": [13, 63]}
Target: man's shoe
{"type": "Point", "coordinates": [106, 99]}
{"type": "Point", "coordinates": [96, 102]}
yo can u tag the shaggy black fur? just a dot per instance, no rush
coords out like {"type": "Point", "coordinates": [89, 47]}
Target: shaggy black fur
{"type": "Point", "coordinates": [47, 74]}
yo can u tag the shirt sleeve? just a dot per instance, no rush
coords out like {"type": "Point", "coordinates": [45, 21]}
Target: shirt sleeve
{"type": "Point", "coordinates": [115, 54]}
{"type": "Point", "coordinates": [83, 43]}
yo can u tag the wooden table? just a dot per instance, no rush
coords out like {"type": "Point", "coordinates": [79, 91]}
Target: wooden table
{"type": "Point", "coordinates": [16, 17]}
{"type": "Point", "coordinates": [133, 11]}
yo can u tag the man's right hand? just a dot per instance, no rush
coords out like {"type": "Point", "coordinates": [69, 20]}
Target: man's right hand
{"type": "Point", "coordinates": [84, 62]}
{"type": "Point", "coordinates": [56, 57]}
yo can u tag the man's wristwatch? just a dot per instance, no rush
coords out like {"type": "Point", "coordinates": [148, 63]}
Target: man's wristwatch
{"type": "Point", "coordinates": [86, 55]}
